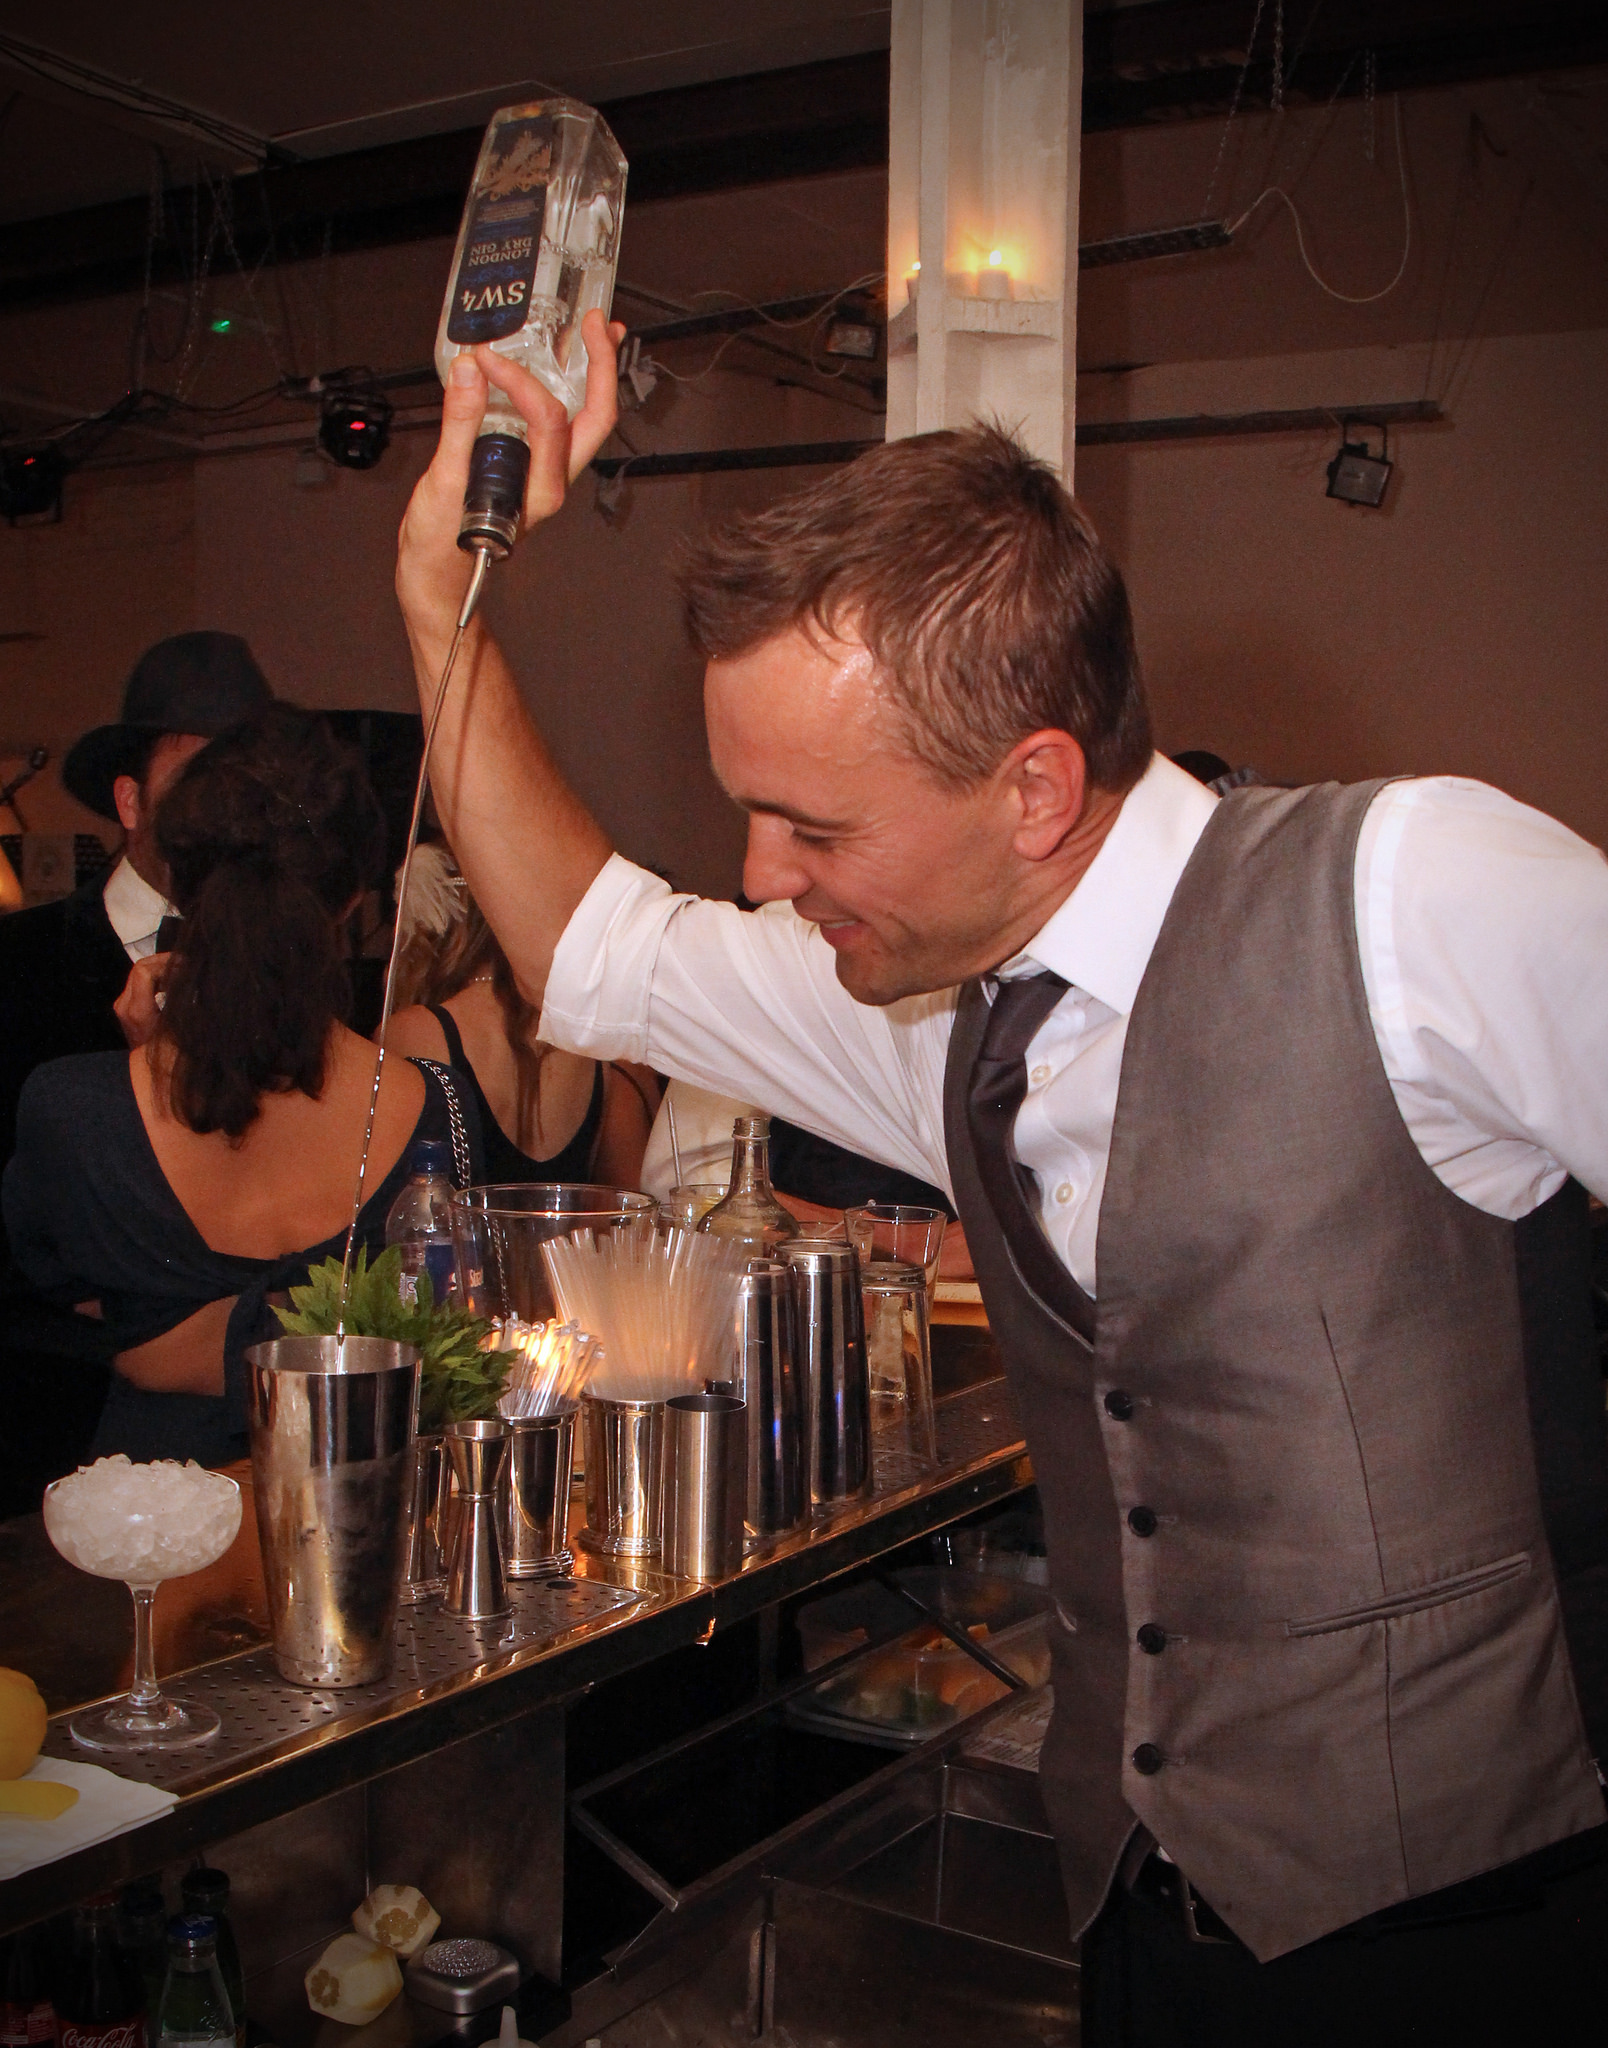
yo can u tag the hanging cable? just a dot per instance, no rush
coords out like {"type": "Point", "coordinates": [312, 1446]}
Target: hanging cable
{"type": "Point", "coordinates": [1347, 298]}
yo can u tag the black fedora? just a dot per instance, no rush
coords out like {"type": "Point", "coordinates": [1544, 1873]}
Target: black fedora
{"type": "Point", "coordinates": [193, 682]}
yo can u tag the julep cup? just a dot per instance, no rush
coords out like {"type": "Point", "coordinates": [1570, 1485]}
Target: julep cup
{"type": "Point", "coordinates": [623, 1475]}
{"type": "Point", "coordinates": [533, 1503]}
{"type": "Point", "coordinates": [705, 1485]}
{"type": "Point", "coordinates": [332, 1429]}
{"type": "Point", "coordinates": [498, 1233]}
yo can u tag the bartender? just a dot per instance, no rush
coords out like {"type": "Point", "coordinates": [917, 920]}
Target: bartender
{"type": "Point", "coordinates": [1297, 1321]}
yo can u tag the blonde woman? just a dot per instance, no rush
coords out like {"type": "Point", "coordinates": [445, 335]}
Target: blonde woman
{"type": "Point", "coordinates": [545, 1115]}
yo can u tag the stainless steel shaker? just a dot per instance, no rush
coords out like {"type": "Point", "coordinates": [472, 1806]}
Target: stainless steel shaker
{"type": "Point", "coordinates": [704, 1485]}
{"type": "Point", "coordinates": [829, 1320]}
{"type": "Point", "coordinates": [477, 1589]}
{"type": "Point", "coordinates": [770, 1381]}
{"type": "Point", "coordinates": [332, 1463]}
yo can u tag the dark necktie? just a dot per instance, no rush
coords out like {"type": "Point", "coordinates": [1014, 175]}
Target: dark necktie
{"type": "Point", "coordinates": [998, 1085]}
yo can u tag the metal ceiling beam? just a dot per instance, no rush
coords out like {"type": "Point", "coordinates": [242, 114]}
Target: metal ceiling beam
{"type": "Point", "coordinates": [1165, 60]}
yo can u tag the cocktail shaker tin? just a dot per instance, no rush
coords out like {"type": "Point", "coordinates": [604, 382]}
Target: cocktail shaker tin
{"type": "Point", "coordinates": [829, 1323]}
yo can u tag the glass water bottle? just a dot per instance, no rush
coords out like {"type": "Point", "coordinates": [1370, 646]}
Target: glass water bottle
{"type": "Point", "coordinates": [537, 250]}
{"type": "Point", "coordinates": [195, 2010]}
{"type": "Point", "coordinates": [750, 1213]}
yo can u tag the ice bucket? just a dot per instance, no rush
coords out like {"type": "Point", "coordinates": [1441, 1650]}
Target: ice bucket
{"type": "Point", "coordinates": [332, 1427]}
{"type": "Point", "coordinates": [498, 1233]}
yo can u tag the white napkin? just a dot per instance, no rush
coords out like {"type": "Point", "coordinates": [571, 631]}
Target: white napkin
{"type": "Point", "coordinates": [106, 1805]}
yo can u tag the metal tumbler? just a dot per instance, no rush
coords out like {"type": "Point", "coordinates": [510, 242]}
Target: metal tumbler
{"type": "Point", "coordinates": [533, 1502]}
{"type": "Point", "coordinates": [705, 1485]}
{"type": "Point", "coordinates": [476, 1585]}
{"type": "Point", "coordinates": [332, 1426]}
{"type": "Point", "coordinates": [830, 1322]}
{"type": "Point", "coordinates": [769, 1381]}
{"type": "Point", "coordinates": [622, 1441]}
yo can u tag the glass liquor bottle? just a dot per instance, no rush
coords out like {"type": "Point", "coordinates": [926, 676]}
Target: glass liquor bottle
{"type": "Point", "coordinates": [536, 251]}
{"type": "Point", "coordinates": [750, 1214]}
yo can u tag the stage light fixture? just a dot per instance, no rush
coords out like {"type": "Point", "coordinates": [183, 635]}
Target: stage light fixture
{"type": "Point", "coordinates": [354, 427]}
{"type": "Point", "coordinates": [1356, 475]}
{"type": "Point", "coordinates": [30, 483]}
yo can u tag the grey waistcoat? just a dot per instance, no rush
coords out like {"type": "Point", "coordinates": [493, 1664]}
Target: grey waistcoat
{"type": "Point", "coordinates": [1371, 1436]}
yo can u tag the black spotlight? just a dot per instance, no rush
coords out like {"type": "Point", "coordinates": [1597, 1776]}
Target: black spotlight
{"type": "Point", "coordinates": [1356, 475]}
{"type": "Point", "coordinates": [30, 483]}
{"type": "Point", "coordinates": [354, 427]}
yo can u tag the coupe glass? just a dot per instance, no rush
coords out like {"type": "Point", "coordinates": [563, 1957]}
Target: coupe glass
{"type": "Point", "coordinates": [142, 1524]}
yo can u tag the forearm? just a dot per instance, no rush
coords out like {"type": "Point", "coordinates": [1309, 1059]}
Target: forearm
{"type": "Point", "coordinates": [508, 812]}
{"type": "Point", "coordinates": [527, 844]}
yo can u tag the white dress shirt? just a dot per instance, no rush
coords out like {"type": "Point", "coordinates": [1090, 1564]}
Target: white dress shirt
{"type": "Point", "coordinates": [1483, 932]}
{"type": "Point", "coordinates": [135, 909]}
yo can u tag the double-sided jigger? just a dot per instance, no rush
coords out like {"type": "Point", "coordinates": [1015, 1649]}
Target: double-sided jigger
{"type": "Point", "coordinates": [477, 1589]}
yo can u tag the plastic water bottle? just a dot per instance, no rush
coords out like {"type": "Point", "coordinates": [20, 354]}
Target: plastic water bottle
{"type": "Point", "coordinates": [421, 1223]}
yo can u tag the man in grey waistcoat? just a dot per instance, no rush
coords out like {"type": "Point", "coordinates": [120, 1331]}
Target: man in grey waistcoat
{"type": "Point", "coordinates": [1270, 1119]}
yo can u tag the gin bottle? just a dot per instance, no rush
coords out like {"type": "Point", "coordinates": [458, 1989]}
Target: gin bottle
{"type": "Point", "coordinates": [536, 251]}
{"type": "Point", "coordinates": [750, 1213]}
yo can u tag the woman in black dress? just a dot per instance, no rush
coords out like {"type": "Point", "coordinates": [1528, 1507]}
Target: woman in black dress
{"type": "Point", "coordinates": [545, 1115]}
{"type": "Point", "coordinates": [171, 1188]}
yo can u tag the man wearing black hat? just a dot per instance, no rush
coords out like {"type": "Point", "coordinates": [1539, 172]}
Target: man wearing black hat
{"type": "Point", "coordinates": [63, 966]}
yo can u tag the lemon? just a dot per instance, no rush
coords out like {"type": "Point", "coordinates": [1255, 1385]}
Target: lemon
{"type": "Point", "coordinates": [22, 1722]}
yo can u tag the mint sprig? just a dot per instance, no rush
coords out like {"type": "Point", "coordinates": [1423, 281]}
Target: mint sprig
{"type": "Point", "coordinates": [458, 1382]}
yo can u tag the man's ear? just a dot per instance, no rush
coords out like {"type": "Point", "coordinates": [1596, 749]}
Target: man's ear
{"type": "Point", "coordinates": [126, 796]}
{"type": "Point", "coordinates": [1049, 781]}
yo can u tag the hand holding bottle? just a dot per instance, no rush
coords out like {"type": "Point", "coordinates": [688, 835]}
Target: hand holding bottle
{"type": "Point", "coordinates": [432, 572]}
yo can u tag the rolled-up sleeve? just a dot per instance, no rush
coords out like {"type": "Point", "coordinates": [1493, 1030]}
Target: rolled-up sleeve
{"type": "Point", "coordinates": [749, 1004]}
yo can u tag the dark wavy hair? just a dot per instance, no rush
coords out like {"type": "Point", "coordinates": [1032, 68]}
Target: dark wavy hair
{"type": "Point", "coordinates": [269, 835]}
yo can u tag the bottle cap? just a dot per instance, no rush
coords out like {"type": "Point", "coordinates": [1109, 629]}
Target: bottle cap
{"type": "Point", "coordinates": [204, 1887]}
{"type": "Point", "coordinates": [430, 1155]}
{"type": "Point", "coordinates": [191, 1933]}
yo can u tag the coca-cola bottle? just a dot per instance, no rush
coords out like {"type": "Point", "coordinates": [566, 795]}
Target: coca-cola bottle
{"type": "Point", "coordinates": [100, 2000]}
{"type": "Point", "coordinates": [27, 2017]}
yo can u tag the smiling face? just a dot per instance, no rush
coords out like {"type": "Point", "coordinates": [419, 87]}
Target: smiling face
{"type": "Point", "coordinates": [915, 885]}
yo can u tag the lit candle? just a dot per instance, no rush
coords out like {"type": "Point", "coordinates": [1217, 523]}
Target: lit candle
{"type": "Point", "coordinates": [912, 281]}
{"type": "Point", "coordinates": [995, 281]}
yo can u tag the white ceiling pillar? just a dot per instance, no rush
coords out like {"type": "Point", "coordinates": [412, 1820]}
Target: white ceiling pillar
{"type": "Point", "coordinates": [985, 126]}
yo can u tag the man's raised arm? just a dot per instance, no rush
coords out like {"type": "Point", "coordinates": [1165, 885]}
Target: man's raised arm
{"type": "Point", "coordinates": [528, 846]}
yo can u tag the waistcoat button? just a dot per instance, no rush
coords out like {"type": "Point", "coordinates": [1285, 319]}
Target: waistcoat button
{"type": "Point", "coordinates": [1142, 1521]}
{"type": "Point", "coordinates": [1152, 1638]}
{"type": "Point", "coordinates": [1147, 1759]}
{"type": "Point", "coordinates": [1119, 1405]}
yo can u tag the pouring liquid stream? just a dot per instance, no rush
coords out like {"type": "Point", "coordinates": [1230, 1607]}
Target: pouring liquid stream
{"type": "Point", "coordinates": [483, 559]}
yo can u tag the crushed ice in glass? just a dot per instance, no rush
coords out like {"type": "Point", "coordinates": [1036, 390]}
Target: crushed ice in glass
{"type": "Point", "coordinates": [142, 1523]}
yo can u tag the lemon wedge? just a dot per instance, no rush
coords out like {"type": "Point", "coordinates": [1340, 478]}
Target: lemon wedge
{"type": "Point", "coordinates": [36, 1798]}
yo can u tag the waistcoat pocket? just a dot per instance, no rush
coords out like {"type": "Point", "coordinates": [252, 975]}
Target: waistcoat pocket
{"type": "Point", "coordinates": [1417, 1598]}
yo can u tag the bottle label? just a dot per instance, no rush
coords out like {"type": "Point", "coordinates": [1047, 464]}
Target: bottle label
{"type": "Point", "coordinates": [491, 293]}
{"type": "Point", "coordinates": [26, 2025]}
{"type": "Point", "coordinates": [101, 2034]}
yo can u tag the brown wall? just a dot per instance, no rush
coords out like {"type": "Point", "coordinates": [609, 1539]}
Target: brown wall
{"type": "Point", "coordinates": [1460, 628]}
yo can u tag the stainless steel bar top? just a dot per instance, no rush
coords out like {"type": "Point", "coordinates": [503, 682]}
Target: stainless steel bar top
{"type": "Point", "coordinates": [282, 1747]}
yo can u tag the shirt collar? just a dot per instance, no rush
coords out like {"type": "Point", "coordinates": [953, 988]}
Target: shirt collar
{"type": "Point", "coordinates": [133, 907]}
{"type": "Point", "coordinates": [1101, 938]}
